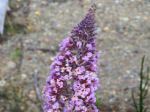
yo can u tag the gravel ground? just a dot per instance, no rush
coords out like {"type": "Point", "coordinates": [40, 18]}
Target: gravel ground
{"type": "Point", "coordinates": [123, 28]}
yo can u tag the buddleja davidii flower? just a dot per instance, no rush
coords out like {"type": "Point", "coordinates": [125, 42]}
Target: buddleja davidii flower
{"type": "Point", "coordinates": [69, 87]}
{"type": "Point", "coordinates": [85, 79]}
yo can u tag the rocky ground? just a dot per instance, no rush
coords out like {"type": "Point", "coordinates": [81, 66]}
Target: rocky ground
{"type": "Point", "coordinates": [123, 28]}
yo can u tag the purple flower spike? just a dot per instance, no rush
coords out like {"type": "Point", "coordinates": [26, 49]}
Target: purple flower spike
{"type": "Point", "coordinates": [72, 82]}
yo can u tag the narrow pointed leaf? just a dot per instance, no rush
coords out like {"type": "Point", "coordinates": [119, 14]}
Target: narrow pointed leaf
{"type": "Point", "coordinates": [134, 102]}
{"type": "Point", "coordinates": [97, 100]}
{"type": "Point", "coordinates": [147, 79]}
{"type": "Point", "coordinates": [145, 110]}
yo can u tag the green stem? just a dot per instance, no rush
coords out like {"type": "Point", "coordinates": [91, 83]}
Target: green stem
{"type": "Point", "coordinates": [141, 88]}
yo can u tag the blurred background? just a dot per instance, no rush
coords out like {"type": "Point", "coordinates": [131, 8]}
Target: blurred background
{"type": "Point", "coordinates": [34, 28]}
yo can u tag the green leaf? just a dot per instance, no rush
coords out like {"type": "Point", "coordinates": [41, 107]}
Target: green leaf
{"type": "Point", "coordinates": [141, 98]}
{"type": "Point", "coordinates": [134, 102]}
{"type": "Point", "coordinates": [145, 110]}
{"type": "Point", "coordinates": [147, 79]}
{"type": "Point", "coordinates": [97, 100]}
{"type": "Point", "coordinates": [145, 93]}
